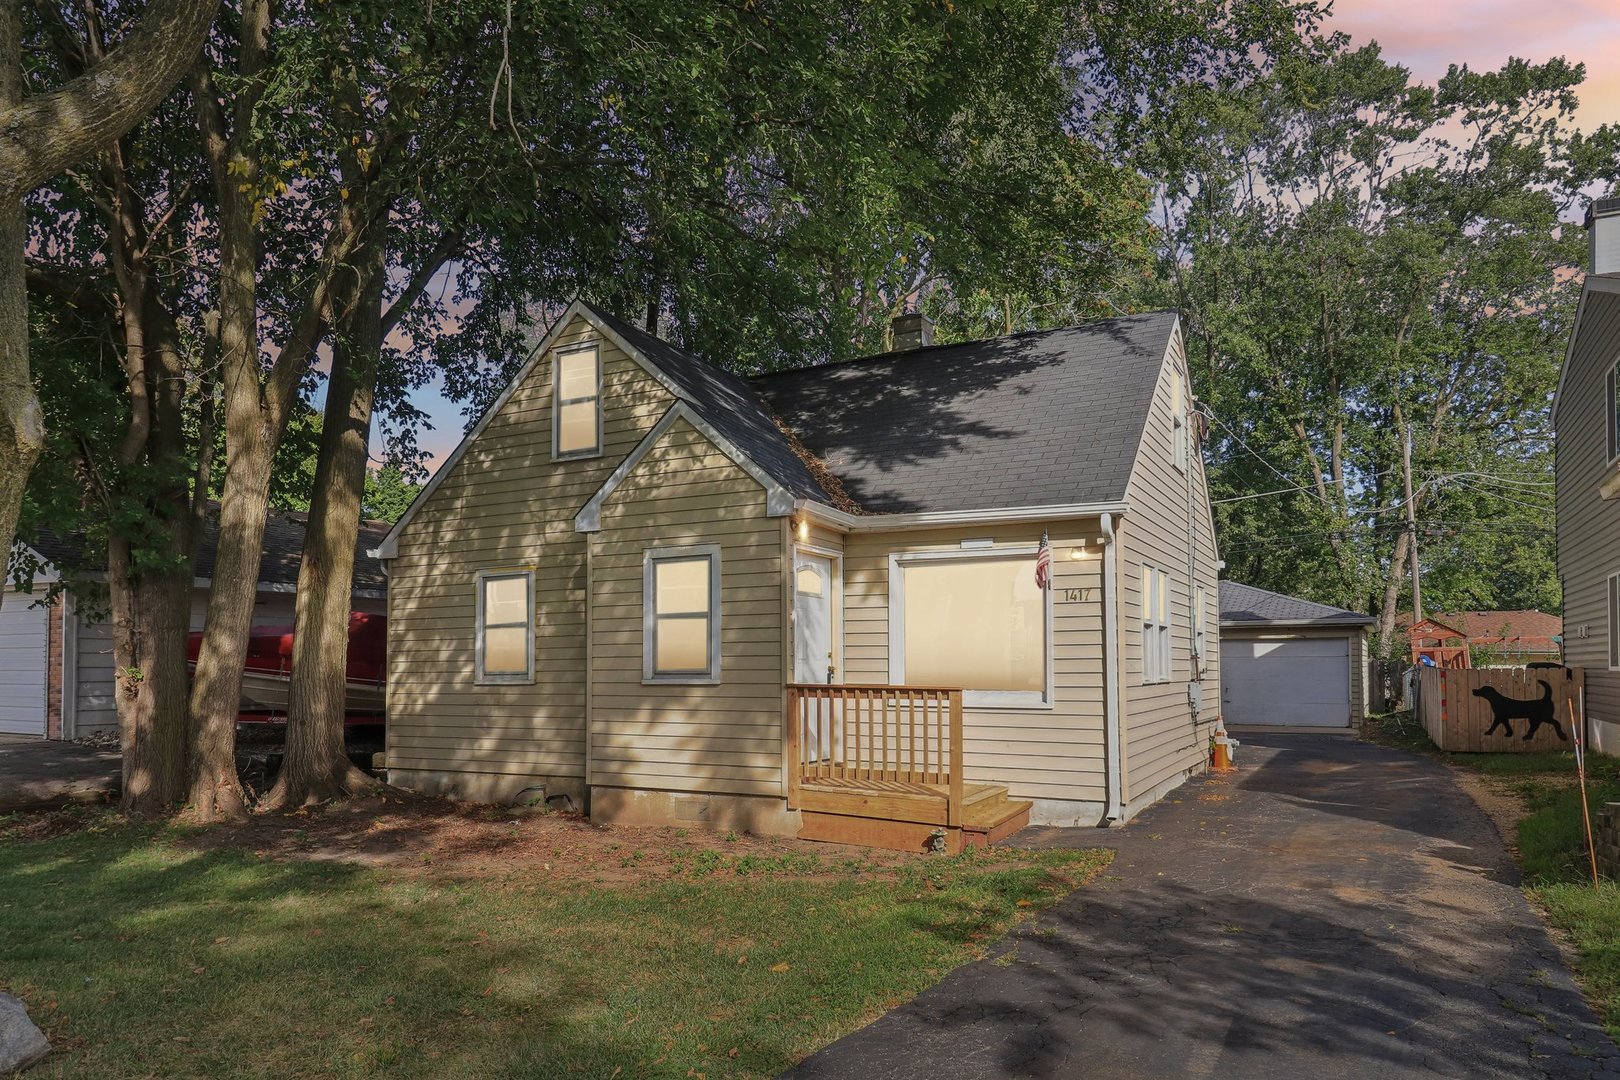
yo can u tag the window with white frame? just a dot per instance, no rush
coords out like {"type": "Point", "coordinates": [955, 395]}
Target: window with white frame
{"type": "Point", "coordinates": [975, 620]}
{"type": "Point", "coordinates": [576, 405]}
{"type": "Point", "coordinates": [1611, 412]}
{"type": "Point", "coordinates": [1179, 418]}
{"type": "Point", "coordinates": [1200, 642]}
{"type": "Point", "coordinates": [506, 626]}
{"type": "Point", "coordinates": [1155, 625]}
{"type": "Point", "coordinates": [1614, 622]}
{"type": "Point", "coordinates": [681, 615]}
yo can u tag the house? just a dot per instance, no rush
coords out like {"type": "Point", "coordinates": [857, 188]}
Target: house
{"type": "Point", "coordinates": [1586, 421]}
{"type": "Point", "coordinates": [805, 604]}
{"type": "Point", "coordinates": [56, 659]}
{"type": "Point", "coordinates": [1486, 638]}
{"type": "Point", "coordinates": [1287, 662]}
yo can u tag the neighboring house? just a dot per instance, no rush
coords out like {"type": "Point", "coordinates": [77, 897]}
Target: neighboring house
{"type": "Point", "coordinates": [634, 565]}
{"type": "Point", "coordinates": [1486, 638]}
{"type": "Point", "coordinates": [56, 661]}
{"type": "Point", "coordinates": [1287, 662]}
{"type": "Point", "coordinates": [1586, 418]}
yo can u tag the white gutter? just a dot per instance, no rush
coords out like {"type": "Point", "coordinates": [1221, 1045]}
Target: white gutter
{"type": "Point", "coordinates": [1111, 672]}
{"type": "Point", "coordinates": [1011, 515]}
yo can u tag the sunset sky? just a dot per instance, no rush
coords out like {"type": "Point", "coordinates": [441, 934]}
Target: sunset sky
{"type": "Point", "coordinates": [1424, 35]}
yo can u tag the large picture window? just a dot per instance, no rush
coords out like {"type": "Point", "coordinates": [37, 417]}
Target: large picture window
{"type": "Point", "coordinates": [576, 411]}
{"type": "Point", "coordinates": [976, 622]}
{"type": "Point", "coordinates": [1155, 625]}
{"type": "Point", "coordinates": [506, 626]}
{"type": "Point", "coordinates": [681, 615]}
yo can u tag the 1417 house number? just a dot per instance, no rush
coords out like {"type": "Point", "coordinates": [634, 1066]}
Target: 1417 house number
{"type": "Point", "coordinates": [1076, 595]}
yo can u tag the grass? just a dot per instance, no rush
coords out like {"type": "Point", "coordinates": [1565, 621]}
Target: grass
{"type": "Point", "coordinates": [144, 955]}
{"type": "Point", "coordinates": [1550, 847]}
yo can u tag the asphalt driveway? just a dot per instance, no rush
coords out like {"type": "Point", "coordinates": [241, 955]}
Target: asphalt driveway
{"type": "Point", "coordinates": [1335, 910]}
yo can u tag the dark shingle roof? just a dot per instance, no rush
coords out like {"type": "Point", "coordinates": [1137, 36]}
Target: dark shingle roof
{"type": "Point", "coordinates": [283, 549]}
{"type": "Point", "coordinates": [728, 404]}
{"type": "Point", "coordinates": [1246, 604]}
{"type": "Point", "coordinates": [1044, 418]}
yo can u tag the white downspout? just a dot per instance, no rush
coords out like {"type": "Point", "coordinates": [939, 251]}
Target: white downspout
{"type": "Point", "coordinates": [1112, 672]}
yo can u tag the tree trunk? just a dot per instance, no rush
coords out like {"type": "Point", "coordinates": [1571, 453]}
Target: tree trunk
{"type": "Point", "coordinates": [1392, 594]}
{"type": "Point", "coordinates": [22, 426]}
{"type": "Point", "coordinates": [151, 613]}
{"type": "Point", "coordinates": [316, 767]}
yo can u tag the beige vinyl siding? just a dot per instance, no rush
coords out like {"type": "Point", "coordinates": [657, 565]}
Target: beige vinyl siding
{"type": "Point", "coordinates": [724, 738]}
{"type": "Point", "coordinates": [1161, 742]}
{"type": "Point", "coordinates": [1588, 525]}
{"type": "Point", "coordinates": [1039, 753]}
{"type": "Point", "coordinates": [506, 504]}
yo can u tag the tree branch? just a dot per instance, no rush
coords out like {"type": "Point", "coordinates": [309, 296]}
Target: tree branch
{"type": "Point", "coordinates": [43, 134]}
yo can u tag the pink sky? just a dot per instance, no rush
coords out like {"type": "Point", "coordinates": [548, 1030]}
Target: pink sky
{"type": "Point", "coordinates": [1426, 36]}
{"type": "Point", "coordinates": [1429, 35]}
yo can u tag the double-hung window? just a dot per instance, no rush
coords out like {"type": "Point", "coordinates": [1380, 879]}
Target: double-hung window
{"type": "Point", "coordinates": [971, 619]}
{"type": "Point", "coordinates": [1155, 625]}
{"type": "Point", "coordinates": [1611, 413]}
{"type": "Point", "coordinates": [576, 405]}
{"type": "Point", "coordinates": [506, 626]}
{"type": "Point", "coordinates": [1614, 622]}
{"type": "Point", "coordinates": [681, 615]}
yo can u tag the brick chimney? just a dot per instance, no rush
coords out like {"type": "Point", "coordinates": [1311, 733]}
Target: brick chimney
{"type": "Point", "coordinates": [1603, 236]}
{"type": "Point", "coordinates": [915, 330]}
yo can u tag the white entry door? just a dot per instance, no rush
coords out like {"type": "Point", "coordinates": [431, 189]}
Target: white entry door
{"type": "Point", "coordinates": [813, 583]}
{"type": "Point", "coordinates": [1286, 682]}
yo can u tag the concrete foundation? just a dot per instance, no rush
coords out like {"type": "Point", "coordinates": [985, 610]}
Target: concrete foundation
{"type": "Point", "coordinates": [497, 788]}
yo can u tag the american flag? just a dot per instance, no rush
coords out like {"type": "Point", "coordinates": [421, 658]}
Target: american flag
{"type": "Point", "coordinates": [1043, 564]}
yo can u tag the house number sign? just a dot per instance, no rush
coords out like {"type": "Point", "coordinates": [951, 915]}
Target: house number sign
{"type": "Point", "coordinates": [1076, 595]}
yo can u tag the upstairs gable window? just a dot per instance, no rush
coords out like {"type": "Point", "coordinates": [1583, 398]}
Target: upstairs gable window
{"type": "Point", "coordinates": [576, 407]}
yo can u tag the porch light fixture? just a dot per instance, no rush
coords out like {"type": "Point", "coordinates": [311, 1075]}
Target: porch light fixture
{"type": "Point", "coordinates": [1077, 553]}
{"type": "Point", "coordinates": [804, 528]}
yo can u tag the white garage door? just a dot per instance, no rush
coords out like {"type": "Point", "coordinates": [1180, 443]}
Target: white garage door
{"type": "Point", "coordinates": [1303, 682]}
{"type": "Point", "coordinates": [22, 666]}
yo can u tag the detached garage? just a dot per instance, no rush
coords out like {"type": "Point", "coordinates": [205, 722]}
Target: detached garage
{"type": "Point", "coordinates": [1287, 662]}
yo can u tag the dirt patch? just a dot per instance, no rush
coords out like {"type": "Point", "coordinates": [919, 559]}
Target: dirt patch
{"type": "Point", "coordinates": [439, 838]}
{"type": "Point", "coordinates": [1496, 796]}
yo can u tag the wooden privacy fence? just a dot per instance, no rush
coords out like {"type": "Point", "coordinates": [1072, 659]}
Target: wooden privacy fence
{"type": "Point", "coordinates": [1495, 709]}
{"type": "Point", "coordinates": [846, 734]}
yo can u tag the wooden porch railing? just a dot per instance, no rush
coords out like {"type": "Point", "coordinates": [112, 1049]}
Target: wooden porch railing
{"type": "Point", "coordinates": [852, 733]}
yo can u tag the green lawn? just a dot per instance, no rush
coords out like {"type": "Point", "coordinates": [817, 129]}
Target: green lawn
{"type": "Point", "coordinates": [145, 955]}
{"type": "Point", "coordinates": [1551, 847]}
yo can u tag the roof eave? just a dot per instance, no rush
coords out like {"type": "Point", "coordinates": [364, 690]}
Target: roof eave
{"type": "Point", "coordinates": [935, 519]}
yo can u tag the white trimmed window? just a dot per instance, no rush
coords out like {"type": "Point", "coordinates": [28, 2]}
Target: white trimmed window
{"type": "Point", "coordinates": [1614, 622]}
{"type": "Point", "coordinates": [576, 404]}
{"type": "Point", "coordinates": [506, 626]}
{"type": "Point", "coordinates": [1178, 417]}
{"type": "Point", "coordinates": [1611, 413]}
{"type": "Point", "coordinates": [974, 620]}
{"type": "Point", "coordinates": [1155, 625]}
{"type": "Point", "coordinates": [1199, 636]}
{"type": "Point", "coordinates": [681, 615]}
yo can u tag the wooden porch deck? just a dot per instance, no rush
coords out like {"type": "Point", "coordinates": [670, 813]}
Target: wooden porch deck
{"type": "Point", "coordinates": [881, 766]}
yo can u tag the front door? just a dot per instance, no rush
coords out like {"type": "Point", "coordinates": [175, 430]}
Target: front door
{"type": "Point", "coordinates": [812, 619]}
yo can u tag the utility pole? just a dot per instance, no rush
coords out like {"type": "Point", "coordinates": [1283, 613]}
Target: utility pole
{"type": "Point", "coordinates": [1411, 525]}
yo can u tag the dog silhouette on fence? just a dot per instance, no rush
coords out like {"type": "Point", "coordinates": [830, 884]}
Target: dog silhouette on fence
{"type": "Point", "coordinates": [1537, 711]}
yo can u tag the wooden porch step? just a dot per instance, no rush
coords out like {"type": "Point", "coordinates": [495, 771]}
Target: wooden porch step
{"type": "Point", "coordinates": [906, 817]}
{"type": "Point", "coordinates": [995, 822]}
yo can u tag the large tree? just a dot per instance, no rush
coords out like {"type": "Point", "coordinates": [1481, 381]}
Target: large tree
{"type": "Point", "coordinates": [42, 133]}
{"type": "Point", "coordinates": [1359, 256]}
